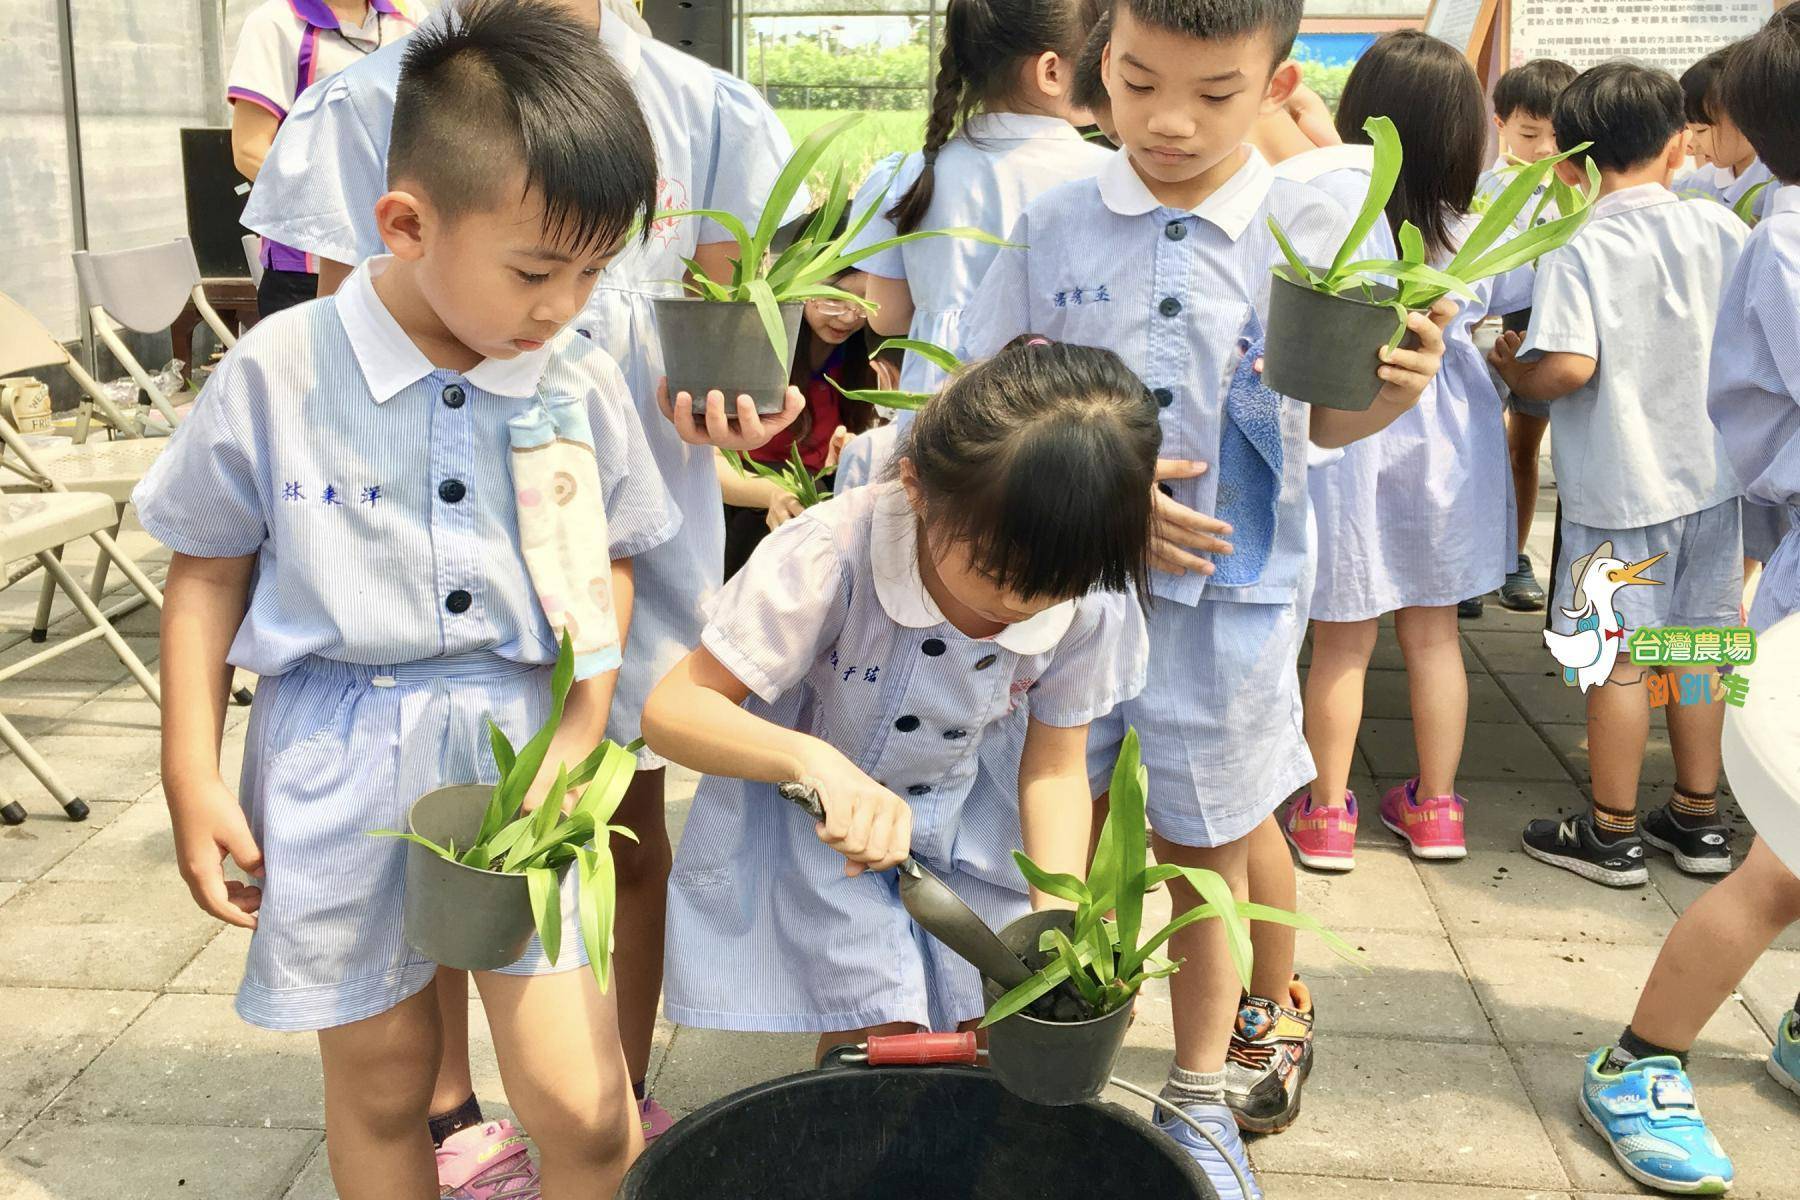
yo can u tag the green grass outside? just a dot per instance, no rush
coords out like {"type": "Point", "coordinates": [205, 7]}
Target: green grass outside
{"type": "Point", "coordinates": [878, 135]}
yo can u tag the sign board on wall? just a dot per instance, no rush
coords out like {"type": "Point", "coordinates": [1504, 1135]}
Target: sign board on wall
{"type": "Point", "coordinates": [1672, 34]}
{"type": "Point", "coordinates": [1465, 24]}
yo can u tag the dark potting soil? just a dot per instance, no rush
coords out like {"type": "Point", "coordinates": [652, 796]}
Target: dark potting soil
{"type": "Point", "coordinates": [1062, 1004]}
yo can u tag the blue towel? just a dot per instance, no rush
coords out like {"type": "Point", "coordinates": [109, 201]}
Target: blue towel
{"type": "Point", "coordinates": [1249, 465]}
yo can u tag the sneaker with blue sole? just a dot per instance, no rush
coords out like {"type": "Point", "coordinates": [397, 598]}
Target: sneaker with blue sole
{"type": "Point", "coordinates": [1784, 1060]}
{"type": "Point", "coordinates": [1647, 1113]}
{"type": "Point", "coordinates": [1217, 1120]}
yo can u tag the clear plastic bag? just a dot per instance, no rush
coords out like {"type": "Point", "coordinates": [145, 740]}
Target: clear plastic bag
{"type": "Point", "coordinates": [171, 379]}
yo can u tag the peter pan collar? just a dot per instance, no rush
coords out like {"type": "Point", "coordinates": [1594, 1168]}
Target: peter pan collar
{"type": "Point", "coordinates": [621, 41]}
{"type": "Point", "coordinates": [1644, 195]}
{"type": "Point", "coordinates": [390, 360]}
{"type": "Point", "coordinates": [894, 556]}
{"type": "Point", "coordinates": [1018, 127]}
{"type": "Point", "coordinates": [1232, 207]}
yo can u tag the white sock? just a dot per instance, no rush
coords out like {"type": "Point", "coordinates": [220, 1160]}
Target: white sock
{"type": "Point", "coordinates": [1194, 1087]}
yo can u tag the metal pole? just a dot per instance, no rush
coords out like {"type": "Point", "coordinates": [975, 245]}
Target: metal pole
{"type": "Point", "coordinates": [78, 226]}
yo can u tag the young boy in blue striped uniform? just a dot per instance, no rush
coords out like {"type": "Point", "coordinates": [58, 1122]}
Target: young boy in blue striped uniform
{"type": "Point", "coordinates": [345, 526]}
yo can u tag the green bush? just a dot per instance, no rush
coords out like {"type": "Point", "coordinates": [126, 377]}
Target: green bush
{"type": "Point", "coordinates": [860, 147]}
{"type": "Point", "coordinates": [1328, 82]}
{"type": "Point", "coordinates": [801, 73]}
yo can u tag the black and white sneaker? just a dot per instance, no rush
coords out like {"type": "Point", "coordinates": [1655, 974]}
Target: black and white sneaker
{"type": "Point", "coordinates": [1573, 846]}
{"type": "Point", "coordinates": [1697, 849]}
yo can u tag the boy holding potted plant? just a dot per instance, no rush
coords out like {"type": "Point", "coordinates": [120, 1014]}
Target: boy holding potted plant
{"type": "Point", "coordinates": [1187, 204]}
{"type": "Point", "coordinates": [1621, 320]}
{"type": "Point", "coordinates": [347, 525]}
{"type": "Point", "coordinates": [718, 145]}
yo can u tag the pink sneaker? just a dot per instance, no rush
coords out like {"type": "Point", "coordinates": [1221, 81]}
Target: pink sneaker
{"type": "Point", "coordinates": [1432, 827]}
{"type": "Point", "coordinates": [486, 1162]}
{"type": "Point", "coordinates": [1324, 838]}
{"type": "Point", "coordinates": [656, 1119]}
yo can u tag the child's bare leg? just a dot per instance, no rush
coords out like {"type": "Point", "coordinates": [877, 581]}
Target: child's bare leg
{"type": "Point", "coordinates": [1272, 882]}
{"type": "Point", "coordinates": [556, 1038]}
{"type": "Point", "coordinates": [1439, 693]}
{"type": "Point", "coordinates": [455, 1082]}
{"type": "Point", "coordinates": [1334, 702]}
{"type": "Point", "coordinates": [1618, 730]}
{"type": "Point", "coordinates": [1204, 993]}
{"type": "Point", "coordinates": [378, 1085]}
{"type": "Point", "coordinates": [1524, 437]}
{"type": "Point", "coordinates": [643, 872]}
{"type": "Point", "coordinates": [856, 1037]}
{"type": "Point", "coordinates": [1695, 731]}
{"type": "Point", "coordinates": [1713, 947]}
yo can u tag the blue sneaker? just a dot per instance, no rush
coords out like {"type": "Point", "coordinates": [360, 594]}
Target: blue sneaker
{"type": "Point", "coordinates": [1784, 1060]}
{"type": "Point", "coordinates": [1647, 1114]}
{"type": "Point", "coordinates": [1218, 1121]}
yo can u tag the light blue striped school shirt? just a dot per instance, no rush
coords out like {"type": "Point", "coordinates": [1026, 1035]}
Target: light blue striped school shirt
{"type": "Point", "coordinates": [376, 489]}
{"type": "Point", "coordinates": [1754, 388]}
{"type": "Point", "coordinates": [1100, 262]}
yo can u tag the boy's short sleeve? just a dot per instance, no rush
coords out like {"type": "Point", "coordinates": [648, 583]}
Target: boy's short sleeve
{"type": "Point", "coordinates": [265, 71]}
{"type": "Point", "coordinates": [750, 147]}
{"type": "Point", "coordinates": [888, 180]}
{"type": "Point", "coordinates": [1562, 309]}
{"type": "Point", "coordinates": [203, 497]}
{"type": "Point", "coordinates": [775, 617]}
{"type": "Point", "coordinates": [640, 513]}
{"type": "Point", "coordinates": [1001, 308]}
{"type": "Point", "coordinates": [317, 188]}
{"type": "Point", "coordinates": [1101, 662]}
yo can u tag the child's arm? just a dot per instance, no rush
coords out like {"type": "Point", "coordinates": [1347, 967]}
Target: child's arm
{"type": "Point", "coordinates": [1406, 374]}
{"type": "Point", "coordinates": [589, 703]}
{"type": "Point", "coordinates": [894, 316]}
{"type": "Point", "coordinates": [1551, 377]}
{"type": "Point", "coordinates": [743, 491]}
{"type": "Point", "coordinates": [695, 717]}
{"type": "Point", "coordinates": [1056, 809]}
{"type": "Point", "coordinates": [204, 602]}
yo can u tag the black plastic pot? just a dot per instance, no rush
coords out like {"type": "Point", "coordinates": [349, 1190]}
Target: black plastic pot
{"type": "Point", "coordinates": [1051, 1062]}
{"type": "Point", "coordinates": [454, 915]}
{"type": "Point", "coordinates": [709, 345]}
{"type": "Point", "coordinates": [1325, 349]}
{"type": "Point", "coordinates": [942, 1133]}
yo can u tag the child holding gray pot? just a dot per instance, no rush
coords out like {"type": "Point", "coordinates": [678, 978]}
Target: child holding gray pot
{"type": "Point", "coordinates": [868, 648]}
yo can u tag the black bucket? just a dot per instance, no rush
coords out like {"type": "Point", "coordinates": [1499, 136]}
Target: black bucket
{"type": "Point", "coordinates": [1051, 1062]}
{"type": "Point", "coordinates": [906, 1133]}
{"type": "Point", "coordinates": [1325, 349]}
{"type": "Point", "coordinates": [711, 345]}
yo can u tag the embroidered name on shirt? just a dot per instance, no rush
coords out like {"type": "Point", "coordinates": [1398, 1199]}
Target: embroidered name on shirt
{"type": "Point", "coordinates": [869, 674]}
{"type": "Point", "coordinates": [1080, 296]}
{"type": "Point", "coordinates": [294, 491]}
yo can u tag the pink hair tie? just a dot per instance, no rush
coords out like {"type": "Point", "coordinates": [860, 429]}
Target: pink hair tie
{"type": "Point", "coordinates": [1038, 341]}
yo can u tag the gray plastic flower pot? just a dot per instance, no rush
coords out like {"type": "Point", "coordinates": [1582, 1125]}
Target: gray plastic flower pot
{"type": "Point", "coordinates": [1325, 349]}
{"type": "Point", "coordinates": [708, 345]}
{"type": "Point", "coordinates": [454, 915]}
{"type": "Point", "coordinates": [1051, 1062]}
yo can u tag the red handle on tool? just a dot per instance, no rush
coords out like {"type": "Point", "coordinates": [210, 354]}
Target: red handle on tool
{"type": "Point", "coordinates": [923, 1049]}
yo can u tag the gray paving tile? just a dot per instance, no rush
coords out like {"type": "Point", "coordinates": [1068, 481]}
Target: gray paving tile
{"type": "Point", "coordinates": [51, 1036]}
{"type": "Point", "coordinates": [1749, 1114]}
{"type": "Point", "coordinates": [219, 967]}
{"type": "Point", "coordinates": [93, 663]}
{"type": "Point", "coordinates": [1681, 890]}
{"type": "Point", "coordinates": [1768, 991]}
{"type": "Point", "coordinates": [130, 934]}
{"type": "Point", "coordinates": [1656, 777]}
{"type": "Point", "coordinates": [1544, 698]}
{"type": "Point", "coordinates": [1580, 995]}
{"type": "Point", "coordinates": [47, 836]}
{"type": "Point", "coordinates": [1326, 1187]}
{"type": "Point", "coordinates": [314, 1181]}
{"type": "Point", "coordinates": [69, 1160]}
{"type": "Point", "coordinates": [1529, 899]}
{"type": "Point", "coordinates": [1387, 656]}
{"type": "Point", "coordinates": [137, 844]}
{"type": "Point", "coordinates": [704, 1064]}
{"type": "Point", "coordinates": [189, 1060]}
{"type": "Point", "coordinates": [110, 769]}
{"type": "Point", "coordinates": [1413, 987]}
{"type": "Point", "coordinates": [1385, 697]}
{"type": "Point", "coordinates": [7, 891]}
{"type": "Point", "coordinates": [1512, 650]}
{"type": "Point", "coordinates": [1382, 893]}
{"type": "Point", "coordinates": [1508, 753]}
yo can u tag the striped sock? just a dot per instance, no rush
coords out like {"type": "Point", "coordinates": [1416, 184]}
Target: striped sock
{"type": "Point", "coordinates": [1691, 811]}
{"type": "Point", "coordinates": [1610, 824]}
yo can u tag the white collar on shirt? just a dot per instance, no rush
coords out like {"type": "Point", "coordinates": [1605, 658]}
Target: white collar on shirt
{"type": "Point", "coordinates": [621, 41]}
{"type": "Point", "coordinates": [1644, 195]}
{"type": "Point", "coordinates": [1304, 168]}
{"type": "Point", "coordinates": [391, 361]}
{"type": "Point", "coordinates": [1017, 127]}
{"type": "Point", "coordinates": [1787, 199]}
{"type": "Point", "coordinates": [894, 555]}
{"type": "Point", "coordinates": [1232, 207]}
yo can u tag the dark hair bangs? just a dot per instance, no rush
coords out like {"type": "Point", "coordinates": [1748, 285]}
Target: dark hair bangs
{"type": "Point", "coordinates": [1219, 20]}
{"type": "Point", "coordinates": [1700, 86]}
{"type": "Point", "coordinates": [1532, 88]}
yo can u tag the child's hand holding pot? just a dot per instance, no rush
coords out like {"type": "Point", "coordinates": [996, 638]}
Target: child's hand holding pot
{"type": "Point", "coordinates": [1407, 372]}
{"type": "Point", "coordinates": [869, 825]}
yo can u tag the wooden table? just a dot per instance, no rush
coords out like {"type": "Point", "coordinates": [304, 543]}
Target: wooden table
{"type": "Point", "coordinates": [236, 301]}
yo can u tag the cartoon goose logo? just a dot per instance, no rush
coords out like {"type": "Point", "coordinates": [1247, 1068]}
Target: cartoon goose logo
{"type": "Point", "coordinates": [1588, 654]}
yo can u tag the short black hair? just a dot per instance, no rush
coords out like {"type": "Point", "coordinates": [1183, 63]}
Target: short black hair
{"type": "Point", "coordinates": [1700, 86]}
{"type": "Point", "coordinates": [1627, 110]}
{"type": "Point", "coordinates": [1532, 89]}
{"type": "Point", "coordinates": [1215, 19]}
{"type": "Point", "coordinates": [1430, 92]}
{"type": "Point", "coordinates": [1041, 460]}
{"type": "Point", "coordinates": [1761, 93]}
{"type": "Point", "coordinates": [1089, 88]}
{"type": "Point", "coordinates": [504, 85]}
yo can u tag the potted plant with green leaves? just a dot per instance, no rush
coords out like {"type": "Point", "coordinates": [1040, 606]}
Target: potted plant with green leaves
{"type": "Point", "coordinates": [1327, 324]}
{"type": "Point", "coordinates": [894, 398]}
{"type": "Point", "coordinates": [737, 335]}
{"type": "Point", "coordinates": [1053, 1039]}
{"type": "Point", "coordinates": [482, 875]}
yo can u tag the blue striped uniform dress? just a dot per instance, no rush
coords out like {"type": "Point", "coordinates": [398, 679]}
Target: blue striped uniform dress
{"type": "Point", "coordinates": [1754, 390]}
{"type": "Point", "coordinates": [390, 616]}
{"type": "Point", "coordinates": [1420, 514]}
{"type": "Point", "coordinates": [718, 146]}
{"type": "Point", "coordinates": [831, 629]}
{"type": "Point", "coordinates": [1102, 263]}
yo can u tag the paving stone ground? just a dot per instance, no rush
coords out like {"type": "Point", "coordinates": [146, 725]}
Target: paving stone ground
{"type": "Point", "coordinates": [1446, 1072]}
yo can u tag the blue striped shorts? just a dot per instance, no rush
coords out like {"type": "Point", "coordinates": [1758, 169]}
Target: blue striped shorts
{"type": "Point", "coordinates": [335, 751]}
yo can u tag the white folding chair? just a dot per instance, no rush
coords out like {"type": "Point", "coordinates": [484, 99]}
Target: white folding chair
{"type": "Point", "coordinates": [25, 345]}
{"type": "Point", "coordinates": [253, 256]}
{"type": "Point", "coordinates": [144, 290]}
{"type": "Point", "coordinates": [38, 526]}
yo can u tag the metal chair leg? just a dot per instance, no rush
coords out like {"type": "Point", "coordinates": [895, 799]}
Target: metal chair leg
{"type": "Point", "coordinates": [40, 624]}
{"type": "Point", "coordinates": [97, 585]}
{"type": "Point", "coordinates": [34, 762]}
{"type": "Point", "coordinates": [98, 620]}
